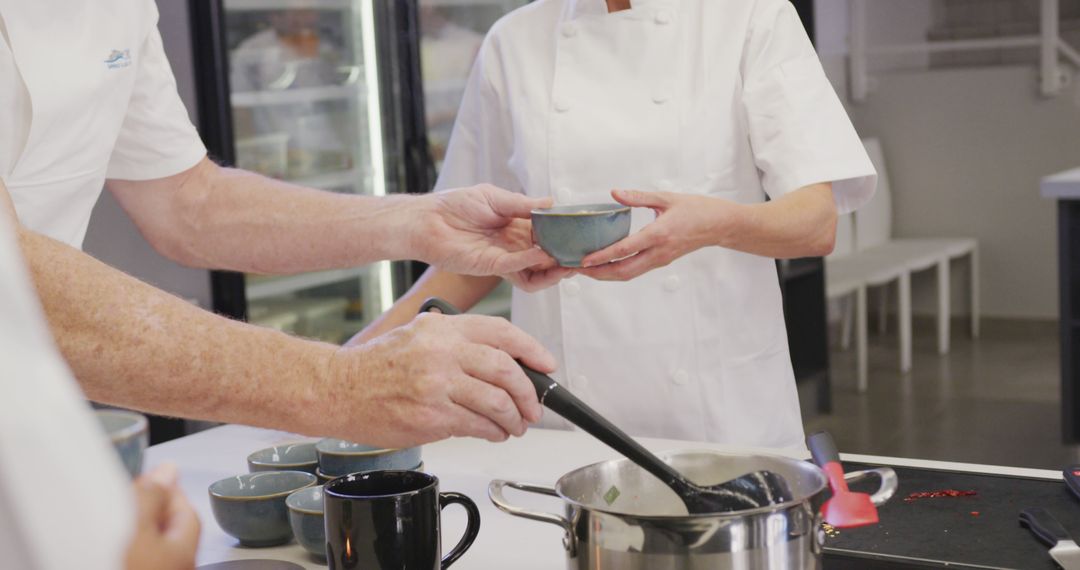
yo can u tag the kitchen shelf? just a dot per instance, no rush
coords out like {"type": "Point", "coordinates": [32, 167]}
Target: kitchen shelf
{"type": "Point", "coordinates": [255, 5]}
{"type": "Point", "coordinates": [294, 96]}
{"type": "Point", "coordinates": [262, 287]}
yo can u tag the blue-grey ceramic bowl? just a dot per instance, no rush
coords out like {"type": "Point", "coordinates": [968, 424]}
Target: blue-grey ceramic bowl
{"type": "Point", "coordinates": [569, 233]}
{"type": "Point", "coordinates": [289, 457]}
{"type": "Point", "coordinates": [251, 507]}
{"type": "Point", "coordinates": [129, 433]}
{"type": "Point", "coordinates": [339, 457]}
{"type": "Point", "coordinates": [306, 517]}
{"type": "Point", "coordinates": [324, 478]}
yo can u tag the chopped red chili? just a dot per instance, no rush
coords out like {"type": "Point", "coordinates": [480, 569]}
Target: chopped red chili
{"type": "Point", "coordinates": [938, 494]}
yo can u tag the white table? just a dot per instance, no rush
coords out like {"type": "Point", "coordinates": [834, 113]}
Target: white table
{"type": "Point", "coordinates": [462, 465]}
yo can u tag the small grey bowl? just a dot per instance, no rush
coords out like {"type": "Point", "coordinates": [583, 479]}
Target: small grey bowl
{"type": "Point", "coordinates": [339, 457]}
{"type": "Point", "coordinates": [289, 457]}
{"type": "Point", "coordinates": [251, 507]}
{"type": "Point", "coordinates": [569, 233]}
{"type": "Point", "coordinates": [306, 518]}
{"type": "Point", "coordinates": [129, 433]}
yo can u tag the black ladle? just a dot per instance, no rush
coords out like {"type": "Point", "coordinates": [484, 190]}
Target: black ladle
{"type": "Point", "coordinates": [750, 491]}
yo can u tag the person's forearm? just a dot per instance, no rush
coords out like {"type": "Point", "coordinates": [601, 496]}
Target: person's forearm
{"type": "Point", "coordinates": [135, 346]}
{"type": "Point", "coordinates": [799, 224]}
{"type": "Point", "coordinates": [462, 291]}
{"type": "Point", "coordinates": [224, 218]}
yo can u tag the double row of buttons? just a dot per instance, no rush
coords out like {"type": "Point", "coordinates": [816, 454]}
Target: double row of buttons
{"type": "Point", "coordinates": [571, 29]}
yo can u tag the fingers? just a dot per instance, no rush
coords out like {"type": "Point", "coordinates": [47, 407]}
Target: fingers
{"type": "Point", "coordinates": [165, 475]}
{"type": "Point", "coordinates": [509, 397]}
{"type": "Point", "coordinates": [468, 423]}
{"type": "Point", "coordinates": [639, 241]}
{"type": "Point", "coordinates": [151, 502]}
{"type": "Point", "coordinates": [183, 523]}
{"type": "Point", "coordinates": [640, 199]}
{"type": "Point", "coordinates": [489, 401]}
{"type": "Point", "coordinates": [532, 280]}
{"type": "Point", "coordinates": [521, 260]}
{"type": "Point", "coordinates": [513, 205]}
{"type": "Point", "coordinates": [627, 269]}
{"type": "Point", "coordinates": [504, 336]}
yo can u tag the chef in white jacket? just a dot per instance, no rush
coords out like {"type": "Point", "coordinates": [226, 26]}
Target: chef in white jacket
{"type": "Point", "coordinates": [700, 110]}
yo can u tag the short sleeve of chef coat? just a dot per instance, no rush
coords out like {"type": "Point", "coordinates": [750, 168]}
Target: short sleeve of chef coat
{"type": "Point", "coordinates": [157, 138]}
{"type": "Point", "coordinates": [799, 131]}
{"type": "Point", "coordinates": [482, 139]}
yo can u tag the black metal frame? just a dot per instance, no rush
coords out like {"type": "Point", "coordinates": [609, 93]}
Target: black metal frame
{"type": "Point", "coordinates": [1069, 291]}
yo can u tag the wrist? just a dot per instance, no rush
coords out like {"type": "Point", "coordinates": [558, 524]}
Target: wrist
{"type": "Point", "coordinates": [315, 383]}
{"type": "Point", "coordinates": [397, 218]}
{"type": "Point", "coordinates": [730, 221]}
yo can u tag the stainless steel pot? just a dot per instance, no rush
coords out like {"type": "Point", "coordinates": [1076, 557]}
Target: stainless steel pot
{"type": "Point", "coordinates": [617, 516]}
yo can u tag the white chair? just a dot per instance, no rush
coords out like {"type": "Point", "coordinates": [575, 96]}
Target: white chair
{"type": "Point", "coordinates": [873, 236]}
{"type": "Point", "coordinates": [866, 255]}
{"type": "Point", "coordinates": [849, 272]}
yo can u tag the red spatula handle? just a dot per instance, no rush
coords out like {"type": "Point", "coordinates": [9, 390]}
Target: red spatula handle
{"type": "Point", "coordinates": [823, 449]}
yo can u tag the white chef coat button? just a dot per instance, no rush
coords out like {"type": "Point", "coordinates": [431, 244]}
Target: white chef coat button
{"type": "Point", "coordinates": [564, 194]}
{"type": "Point", "coordinates": [571, 288]}
{"type": "Point", "coordinates": [664, 186]}
{"type": "Point", "coordinates": [562, 105]}
{"type": "Point", "coordinates": [659, 98]}
{"type": "Point", "coordinates": [672, 282]}
{"type": "Point", "coordinates": [680, 377]}
{"type": "Point", "coordinates": [569, 30]}
{"type": "Point", "coordinates": [663, 17]}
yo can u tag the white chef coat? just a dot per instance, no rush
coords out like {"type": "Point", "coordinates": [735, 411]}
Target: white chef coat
{"type": "Point", "coordinates": [724, 98]}
{"type": "Point", "coordinates": [65, 500]}
{"type": "Point", "coordinates": [86, 94]}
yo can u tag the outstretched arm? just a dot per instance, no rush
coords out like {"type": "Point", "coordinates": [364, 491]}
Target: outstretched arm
{"type": "Point", "coordinates": [132, 345]}
{"type": "Point", "coordinates": [799, 224]}
{"type": "Point", "coordinates": [223, 218]}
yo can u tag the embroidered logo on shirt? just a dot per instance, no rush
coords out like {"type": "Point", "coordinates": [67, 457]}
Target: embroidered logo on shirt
{"type": "Point", "coordinates": [119, 58]}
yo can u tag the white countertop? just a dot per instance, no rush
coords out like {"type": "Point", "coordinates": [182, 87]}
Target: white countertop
{"type": "Point", "coordinates": [1063, 185]}
{"type": "Point", "coordinates": [463, 465]}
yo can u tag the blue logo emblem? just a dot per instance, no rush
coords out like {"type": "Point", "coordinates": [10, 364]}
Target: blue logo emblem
{"type": "Point", "coordinates": [119, 58]}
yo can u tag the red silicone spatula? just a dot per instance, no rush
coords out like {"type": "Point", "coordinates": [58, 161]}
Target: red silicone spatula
{"type": "Point", "coordinates": [845, 509]}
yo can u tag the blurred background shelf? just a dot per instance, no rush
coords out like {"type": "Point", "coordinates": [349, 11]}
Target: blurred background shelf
{"type": "Point", "coordinates": [304, 95]}
{"type": "Point", "coordinates": [262, 287]}
{"type": "Point", "coordinates": [259, 5]}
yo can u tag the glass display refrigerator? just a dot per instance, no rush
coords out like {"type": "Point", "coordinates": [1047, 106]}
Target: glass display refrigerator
{"type": "Point", "coordinates": [352, 96]}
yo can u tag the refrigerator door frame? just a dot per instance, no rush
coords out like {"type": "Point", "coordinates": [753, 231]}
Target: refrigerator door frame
{"type": "Point", "coordinates": [406, 160]}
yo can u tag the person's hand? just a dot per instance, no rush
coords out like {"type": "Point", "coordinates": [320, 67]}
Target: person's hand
{"type": "Point", "coordinates": [471, 231]}
{"type": "Point", "coordinates": [684, 223]}
{"type": "Point", "coordinates": [531, 279]}
{"type": "Point", "coordinates": [166, 526]}
{"type": "Point", "coordinates": [437, 377]}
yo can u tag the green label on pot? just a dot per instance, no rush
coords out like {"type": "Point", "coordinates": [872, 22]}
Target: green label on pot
{"type": "Point", "coordinates": [611, 495]}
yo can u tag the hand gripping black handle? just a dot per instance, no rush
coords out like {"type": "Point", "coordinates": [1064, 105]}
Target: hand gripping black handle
{"type": "Point", "coordinates": [1043, 525]}
{"type": "Point", "coordinates": [561, 401]}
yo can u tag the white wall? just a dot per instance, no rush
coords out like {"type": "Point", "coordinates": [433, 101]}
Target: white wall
{"type": "Point", "coordinates": [965, 150]}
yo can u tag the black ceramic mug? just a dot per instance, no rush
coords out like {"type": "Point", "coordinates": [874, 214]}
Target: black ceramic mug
{"type": "Point", "coordinates": [389, 520]}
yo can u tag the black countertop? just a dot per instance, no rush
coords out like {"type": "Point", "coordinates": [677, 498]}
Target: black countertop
{"type": "Point", "coordinates": [980, 531]}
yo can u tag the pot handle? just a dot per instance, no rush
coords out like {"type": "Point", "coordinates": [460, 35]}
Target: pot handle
{"type": "Point", "coordinates": [495, 493]}
{"type": "Point", "coordinates": [888, 483]}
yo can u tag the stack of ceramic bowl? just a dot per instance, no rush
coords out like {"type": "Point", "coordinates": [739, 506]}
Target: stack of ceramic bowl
{"type": "Point", "coordinates": [282, 498]}
{"type": "Point", "coordinates": [338, 457]}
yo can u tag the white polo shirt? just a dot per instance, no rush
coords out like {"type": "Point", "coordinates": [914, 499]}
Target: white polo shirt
{"type": "Point", "coordinates": [86, 94]}
{"type": "Point", "coordinates": [65, 500]}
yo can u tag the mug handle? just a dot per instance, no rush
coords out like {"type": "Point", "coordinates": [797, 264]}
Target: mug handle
{"type": "Point", "coordinates": [472, 528]}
